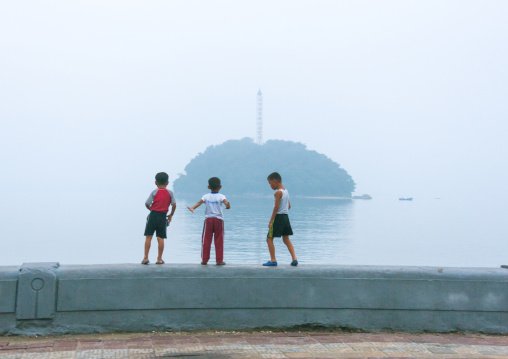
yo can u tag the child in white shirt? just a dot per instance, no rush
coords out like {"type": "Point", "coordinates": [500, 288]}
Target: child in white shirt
{"type": "Point", "coordinates": [214, 221]}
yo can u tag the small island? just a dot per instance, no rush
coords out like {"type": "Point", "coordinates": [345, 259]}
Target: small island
{"type": "Point", "coordinates": [243, 166]}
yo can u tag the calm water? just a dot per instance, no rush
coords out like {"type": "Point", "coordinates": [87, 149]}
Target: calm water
{"type": "Point", "coordinates": [109, 228]}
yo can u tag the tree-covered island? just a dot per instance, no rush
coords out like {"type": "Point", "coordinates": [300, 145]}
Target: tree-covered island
{"type": "Point", "coordinates": [243, 166]}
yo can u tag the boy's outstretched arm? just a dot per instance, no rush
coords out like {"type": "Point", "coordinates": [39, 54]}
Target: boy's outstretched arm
{"type": "Point", "coordinates": [278, 196]}
{"type": "Point", "coordinates": [173, 208]}
{"type": "Point", "coordinates": [195, 206]}
{"type": "Point", "coordinates": [226, 202]}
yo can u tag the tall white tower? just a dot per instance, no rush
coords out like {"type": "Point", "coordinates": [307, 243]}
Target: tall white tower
{"type": "Point", "coordinates": [259, 119]}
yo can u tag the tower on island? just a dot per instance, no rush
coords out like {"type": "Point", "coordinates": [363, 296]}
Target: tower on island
{"type": "Point", "coordinates": [259, 119]}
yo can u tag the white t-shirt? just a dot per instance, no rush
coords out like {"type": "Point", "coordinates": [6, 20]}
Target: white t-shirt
{"type": "Point", "coordinates": [213, 203]}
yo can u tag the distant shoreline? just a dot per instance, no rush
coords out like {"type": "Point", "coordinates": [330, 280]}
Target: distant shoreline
{"type": "Point", "coordinates": [185, 195]}
{"type": "Point", "coordinates": [324, 197]}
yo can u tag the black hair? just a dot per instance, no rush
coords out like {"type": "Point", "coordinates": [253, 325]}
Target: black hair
{"type": "Point", "coordinates": [214, 183]}
{"type": "Point", "coordinates": [275, 176]}
{"type": "Point", "coordinates": [161, 178]}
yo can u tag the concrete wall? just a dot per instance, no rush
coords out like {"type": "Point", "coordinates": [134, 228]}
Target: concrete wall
{"type": "Point", "coordinates": [45, 298]}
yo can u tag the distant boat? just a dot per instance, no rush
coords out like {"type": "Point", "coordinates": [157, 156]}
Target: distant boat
{"type": "Point", "coordinates": [363, 196]}
{"type": "Point", "coordinates": [406, 199]}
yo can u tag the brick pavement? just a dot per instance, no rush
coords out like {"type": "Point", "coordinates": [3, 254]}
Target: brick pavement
{"type": "Point", "coordinates": [264, 344]}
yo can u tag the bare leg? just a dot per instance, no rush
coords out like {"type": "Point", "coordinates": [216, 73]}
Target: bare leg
{"type": "Point", "coordinates": [148, 242]}
{"type": "Point", "coordinates": [161, 248]}
{"type": "Point", "coordinates": [288, 243]}
{"type": "Point", "coordinates": [271, 248]}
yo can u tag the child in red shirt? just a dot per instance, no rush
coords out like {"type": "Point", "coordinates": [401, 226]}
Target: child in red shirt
{"type": "Point", "coordinates": [158, 203]}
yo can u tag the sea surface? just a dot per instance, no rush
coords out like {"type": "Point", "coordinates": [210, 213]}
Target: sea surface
{"type": "Point", "coordinates": [91, 228]}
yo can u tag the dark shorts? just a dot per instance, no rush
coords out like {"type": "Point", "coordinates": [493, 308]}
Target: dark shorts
{"type": "Point", "coordinates": [280, 226]}
{"type": "Point", "coordinates": [156, 222]}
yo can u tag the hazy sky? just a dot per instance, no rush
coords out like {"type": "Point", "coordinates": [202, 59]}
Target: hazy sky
{"type": "Point", "coordinates": [410, 97]}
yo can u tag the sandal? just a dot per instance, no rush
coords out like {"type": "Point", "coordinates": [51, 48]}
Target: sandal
{"type": "Point", "coordinates": [145, 261]}
{"type": "Point", "coordinates": [161, 262]}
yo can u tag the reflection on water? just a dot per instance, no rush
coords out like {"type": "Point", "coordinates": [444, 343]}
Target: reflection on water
{"type": "Point", "coordinates": [108, 228]}
{"type": "Point", "coordinates": [246, 226]}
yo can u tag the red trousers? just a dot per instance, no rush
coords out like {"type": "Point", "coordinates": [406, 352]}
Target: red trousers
{"type": "Point", "coordinates": [213, 227]}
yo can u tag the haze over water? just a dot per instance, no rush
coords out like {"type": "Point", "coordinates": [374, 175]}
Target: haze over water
{"type": "Point", "coordinates": [108, 228]}
{"type": "Point", "coordinates": [409, 97]}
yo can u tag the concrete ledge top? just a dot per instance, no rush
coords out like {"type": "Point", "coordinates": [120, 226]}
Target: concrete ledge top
{"type": "Point", "coordinates": [9, 273]}
{"type": "Point", "coordinates": [117, 271]}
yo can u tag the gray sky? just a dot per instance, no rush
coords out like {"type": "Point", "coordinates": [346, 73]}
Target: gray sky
{"type": "Point", "coordinates": [410, 97]}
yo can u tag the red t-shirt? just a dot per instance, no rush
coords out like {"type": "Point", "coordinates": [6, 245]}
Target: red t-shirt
{"type": "Point", "coordinates": [160, 199]}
